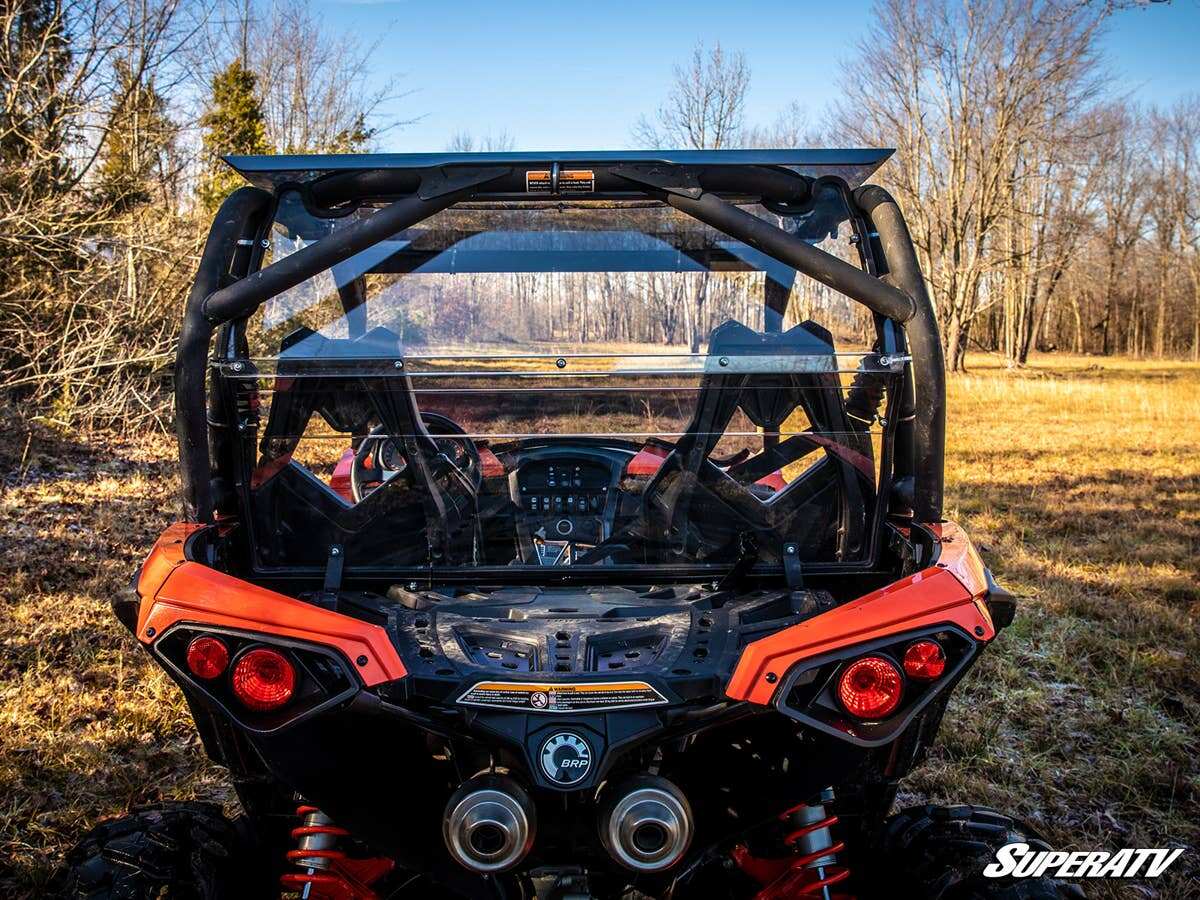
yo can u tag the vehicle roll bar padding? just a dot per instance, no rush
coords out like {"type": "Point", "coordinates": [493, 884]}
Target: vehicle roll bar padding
{"type": "Point", "coordinates": [877, 295]}
{"type": "Point", "coordinates": [235, 224]}
{"type": "Point", "coordinates": [928, 422]}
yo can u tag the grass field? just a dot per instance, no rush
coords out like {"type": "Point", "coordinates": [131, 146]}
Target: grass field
{"type": "Point", "coordinates": [1080, 479]}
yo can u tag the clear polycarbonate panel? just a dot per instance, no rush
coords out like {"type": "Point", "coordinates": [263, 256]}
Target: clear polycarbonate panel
{"type": "Point", "coordinates": [561, 387]}
{"type": "Point", "coordinates": [551, 281]}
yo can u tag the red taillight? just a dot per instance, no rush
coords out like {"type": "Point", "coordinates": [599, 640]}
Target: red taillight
{"type": "Point", "coordinates": [924, 660]}
{"type": "Point", "coordinates": [207, 657]}
{"type": "Point", "coordinates": [870, 687]}
{"type": "Point", "coordinates": [263, 679]}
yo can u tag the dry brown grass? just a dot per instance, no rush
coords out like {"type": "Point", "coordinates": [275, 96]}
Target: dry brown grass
{"type": "Point", "coordinates": [1081, 479]}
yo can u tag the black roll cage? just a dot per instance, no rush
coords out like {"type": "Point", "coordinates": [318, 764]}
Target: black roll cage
{"type": "Point", "coordinates": [230, 286]}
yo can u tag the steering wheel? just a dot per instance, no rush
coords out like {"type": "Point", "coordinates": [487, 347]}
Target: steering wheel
{"type": "Point", "coordinates": [380, 458]}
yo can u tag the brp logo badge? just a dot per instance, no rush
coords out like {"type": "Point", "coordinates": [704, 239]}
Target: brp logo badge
{"type": "Point", "coordinates": [566, 758]}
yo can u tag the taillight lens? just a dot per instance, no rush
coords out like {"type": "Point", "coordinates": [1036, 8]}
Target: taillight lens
{"type": "Point", "coordinates": [924, 660]}
{"type": "Point", "coordinates": [263, 679]}
{"type": "Point", "coordinates": [207, 657]}
{"type": "Point", "coordinates": [870, 687]}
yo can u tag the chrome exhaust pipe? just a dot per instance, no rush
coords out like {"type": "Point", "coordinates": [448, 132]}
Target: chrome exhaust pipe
{"type": "Point", "coordinates": [647, 824]}
{"type": "Point", "coordinates": [489, 824]}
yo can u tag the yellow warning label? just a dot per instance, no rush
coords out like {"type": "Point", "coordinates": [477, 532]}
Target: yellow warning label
{"type": "Point", "coordinates": [593, 696]}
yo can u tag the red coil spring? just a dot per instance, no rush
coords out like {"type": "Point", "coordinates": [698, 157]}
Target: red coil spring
{"type": "Point", "coordinates": [332, 881]}
{"type": "Point", "coordinates": [796, 881]}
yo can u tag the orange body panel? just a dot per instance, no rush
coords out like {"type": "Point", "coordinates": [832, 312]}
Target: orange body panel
{"type": "Point", "coordinates": [175, 590]}
{"type": "Point", "coordinates": [950, 592]}
{"type": "Point", "coordinates": [166, 555]}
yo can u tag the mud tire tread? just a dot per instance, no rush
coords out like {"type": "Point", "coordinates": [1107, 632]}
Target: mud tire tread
{"type": "Point", "coordinates": [939, 852]}
{"type": "Point", "coordinates": [189, 851]}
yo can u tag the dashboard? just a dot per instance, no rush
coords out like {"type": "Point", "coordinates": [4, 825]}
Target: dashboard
{"type": "Point", "coordinates": [566, 499]}
{"type": "Point", "coordinates": [562, 497]}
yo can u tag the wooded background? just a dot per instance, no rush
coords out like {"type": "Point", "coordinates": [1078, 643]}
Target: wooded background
{"type": "Point", "coordinates": [1049, 213]}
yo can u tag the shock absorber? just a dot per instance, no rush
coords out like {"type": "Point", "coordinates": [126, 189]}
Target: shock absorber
{"type": "Point", "coordinates": [814, 867]}
{"type": "Point", "coordinates": [813, 842]}
{"type": "Point", "coordinates": [327, 873]}
{"type": "Point", "coordinates": [316, 851]}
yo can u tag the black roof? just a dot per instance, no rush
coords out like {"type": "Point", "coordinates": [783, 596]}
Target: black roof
{"type": "Point", "coordinates": [852, 165]}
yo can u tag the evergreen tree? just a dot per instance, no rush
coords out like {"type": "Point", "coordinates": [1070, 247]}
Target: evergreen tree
{"type": "Point", "coordinates": [139, 140]}
{"type": "Point", "coordinates": [34, 59]}
{"type": "Point", "coordinates": [234, 123]}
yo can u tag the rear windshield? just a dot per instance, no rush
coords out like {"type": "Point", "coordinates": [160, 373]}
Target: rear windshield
{"type": "Point", "coordinates": [550, 386]}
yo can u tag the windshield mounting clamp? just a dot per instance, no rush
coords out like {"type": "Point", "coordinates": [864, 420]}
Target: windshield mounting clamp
{"type": "Point", "coordinates": [793, 572]}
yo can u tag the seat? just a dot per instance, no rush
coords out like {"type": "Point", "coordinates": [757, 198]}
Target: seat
{"type": "Point", "coordinates": [358, 385]}
{"type": "Point", "coordinates": [705, 512]}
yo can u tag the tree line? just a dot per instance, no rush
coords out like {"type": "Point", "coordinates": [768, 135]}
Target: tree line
{"type": "Point", "coordinates": [113, 116]}
{"type": "Point", "coordinates": [1048, 213]}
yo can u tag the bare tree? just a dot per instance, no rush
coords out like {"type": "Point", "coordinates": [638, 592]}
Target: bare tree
{"type": "Point", "coordinates": [313, 80]}
{"type": "Point", "coordinates": [90, 272]}
{"type": "Point", "coordinates": [705, 106]}
{"type": "Point", "coordinates": [703, 111]}
{"type": "Point", "coordinates": [463, 141]}
{"type": "Point", "coordinates": [963, 92]}
{"type": "Point", "coordinates": [793, 127]}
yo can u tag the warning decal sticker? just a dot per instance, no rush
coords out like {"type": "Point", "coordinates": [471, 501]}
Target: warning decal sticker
{"type": "Point", "coordinates": [592, 696]}
{"type": "Point", "coordinates": [576, 181]}
{"type": "Point", "coordinates": [570, 181]}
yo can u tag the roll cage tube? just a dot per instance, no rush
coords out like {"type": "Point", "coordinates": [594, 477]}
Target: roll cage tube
{"type": "Point", "coordinates": [925, 428]}
{"type": "Point", "coordinates": [898, 294]}
{"type": "Point", "coordinates": [226, 251]}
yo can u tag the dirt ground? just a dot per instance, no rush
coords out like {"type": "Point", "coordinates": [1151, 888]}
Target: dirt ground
{"type": "Point", "coordinates": [1080, 478]}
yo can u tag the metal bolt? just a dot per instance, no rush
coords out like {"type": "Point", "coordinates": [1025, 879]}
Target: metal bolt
{"type": "Point", "coordinates": [238, 366]}
{"type": "Point", "coordinates": [724, 361]}
{"type": "Point", "coordinates": [885, 361]}
{"type": "Point", "coordinates": [151, 632]}
{"type": "Point", "coordinates": [561, 363]}
{"type": "Point", "coordinates": [362, 660]}
{"type": "Point", "coordinates": [979, 630]}
{"type": "Point", "coordinates": [772, 678]}
{"type": "Point", "coordinates": [789, 548]}
{"type": "Point", "coordinates": [334, 551]}
{"type": "Point", "coordinates": [854, 239]}
{"type": "Point", "coordinates": [398, 364]}
{"type": "Point", "coordinates": [412, 585]}
{"type": "Point", "coordinates": [265, 243]}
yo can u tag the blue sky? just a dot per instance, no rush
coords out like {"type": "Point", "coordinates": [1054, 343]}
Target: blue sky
{"type": "Point", "coordinates": [557, 77]}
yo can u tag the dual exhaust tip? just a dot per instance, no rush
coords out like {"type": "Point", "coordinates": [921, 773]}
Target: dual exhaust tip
{"type": "Point", "coordinates": [646, 824]}
{"type": "Point", "coordinates": [490, 824]}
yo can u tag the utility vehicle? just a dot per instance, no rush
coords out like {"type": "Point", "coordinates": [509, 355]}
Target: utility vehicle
{"type": "Point", "coordinates": [561, 525]}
